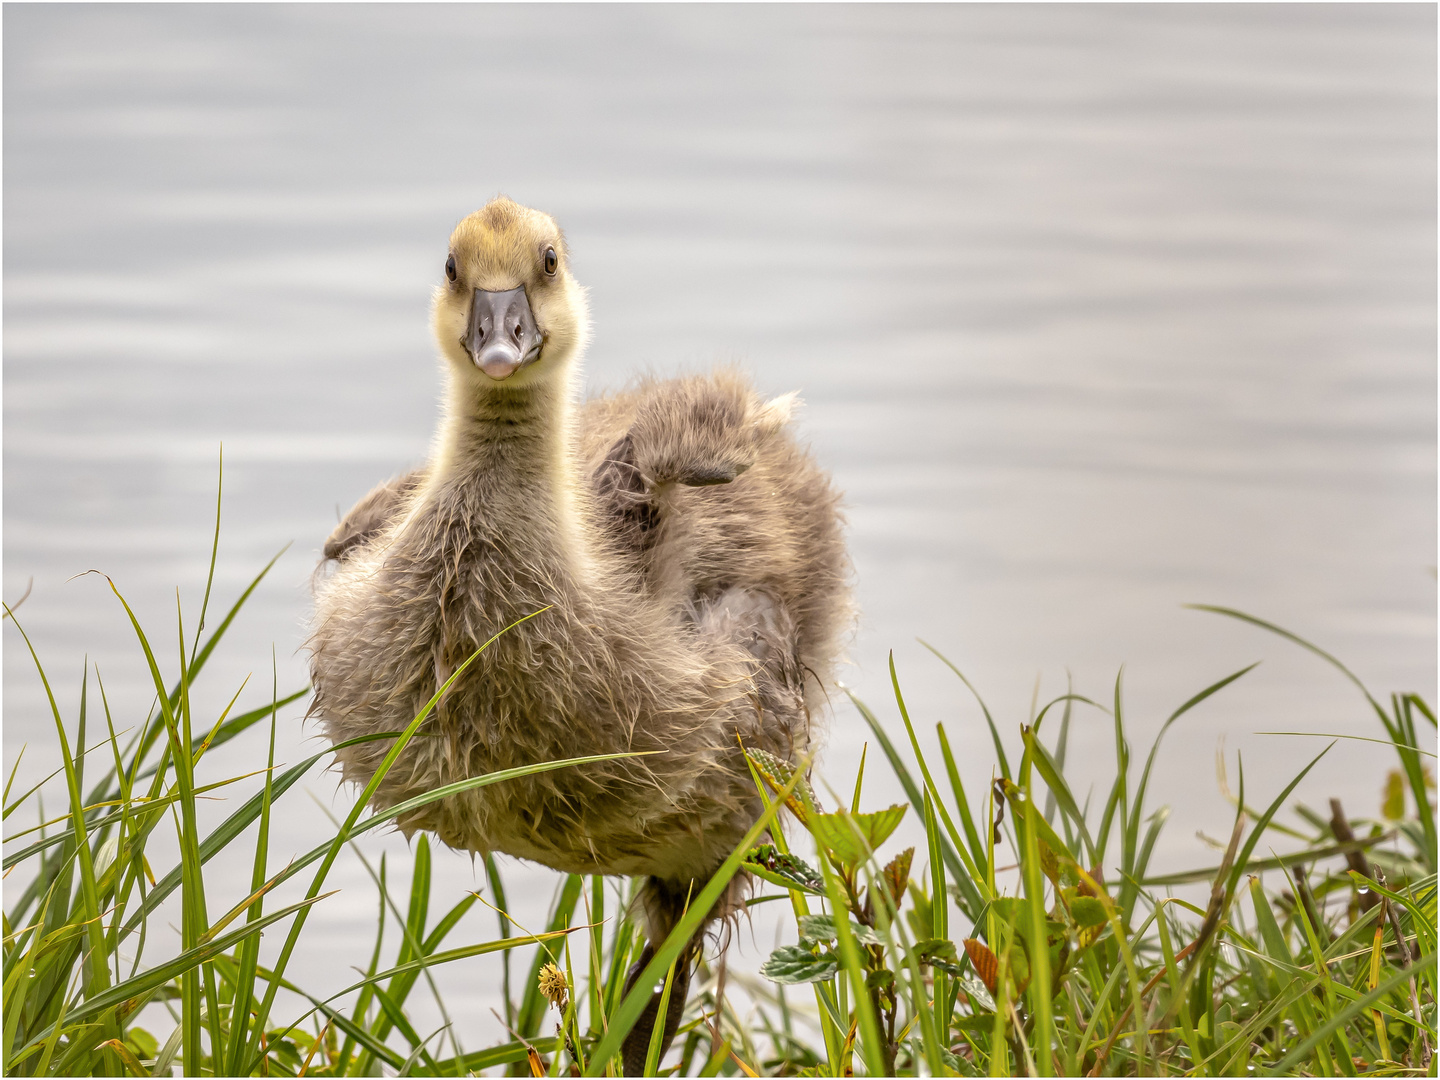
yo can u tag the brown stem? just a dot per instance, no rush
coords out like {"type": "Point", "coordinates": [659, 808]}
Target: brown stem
{"type": "Point", "coordinates": [1306, 899]}
{"type": "Point", "coordinates": [1354, 857]}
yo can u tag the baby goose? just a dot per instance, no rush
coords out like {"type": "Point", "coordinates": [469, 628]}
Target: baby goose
{"type": "Point", "coordinates": [689, 552]}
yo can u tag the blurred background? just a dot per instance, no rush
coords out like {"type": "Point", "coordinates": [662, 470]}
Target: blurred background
{"type": "Point", "coordinates": [1096, 311]}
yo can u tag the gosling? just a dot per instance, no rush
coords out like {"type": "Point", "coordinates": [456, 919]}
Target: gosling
{"type": "Point", "coordinates": [688, 554]}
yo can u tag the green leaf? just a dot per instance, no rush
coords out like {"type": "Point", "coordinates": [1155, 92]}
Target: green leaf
{"type": "Point", "coordinates": [797, 964]}
{"type": "Point", "coordinates": [141, 1042]}
{"type": "Point", "coordinates": [1088, 911]}
{"type": "Point", "coordinates": [815, 929]}
{"type": "Point", "coordinates": [851, 838]}
{"type": "Point", "coordinates": [938, 953]}
{"type": "Point", "coordinates": [801, 802]}
{"type": "Point", "coordinates": [782, 868]}
{"type": "Point", "coordinates": [496, 1055]}
{"type": "Point", "coordinates": [935, 947]}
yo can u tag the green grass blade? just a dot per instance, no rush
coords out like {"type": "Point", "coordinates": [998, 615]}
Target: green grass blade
{"type": "Point", "coordinates": [954, 844]}
{"type": "Point", "coordinates": [972, 898]}
{"type": "Point", "coordinates": [962, 803]}
{"type": "Point", "coordinates": [1059, 790]}
{"type": "Point", "coordinates": [497, 890]}
{"type": "Point", "coordinates": [250, 949]}
{"type": "Point", "coordinates": [153, 725]}
{"type": "Point", "coordinates": [657, 1033]}
{"type": "Point", "coordinates": [186, 961]}
{"type": "Point", "coordinates": [1337, 1021]}
{"type": "Point", "coordinates": [233, 727]}
{"type": "Point", "coordinates": [214, 551]}
{"type": "Point", "coordinates": [505, 1054]}
{"type": "Point", "coordinates": [348, 830]}
{"type": "Point", "coordinates": [1119, 800]}
{"type": "Point", "coordinates": [1141, 789]}
{"type": "Point", "coordinates": [989, 720]}
{"type": "Point", "coordinates": [1327, 657]}
{"type": "Point", "coordinates": [242, 818]}
{"type": "Point", "coordinates": [5, 799]}
{"type": "Point", "coordinates": [1243, 859]}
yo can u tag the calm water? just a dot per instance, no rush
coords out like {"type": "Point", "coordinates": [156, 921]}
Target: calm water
{"type": "Point", "coordinates": [1096, 312]}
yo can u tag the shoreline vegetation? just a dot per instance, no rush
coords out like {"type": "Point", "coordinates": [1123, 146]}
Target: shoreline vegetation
{"type": "Point", "coordinates": [1026, 937]}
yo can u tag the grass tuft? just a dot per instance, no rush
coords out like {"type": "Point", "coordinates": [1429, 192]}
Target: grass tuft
{"type": "Point", "coordinates": [1027, 935]}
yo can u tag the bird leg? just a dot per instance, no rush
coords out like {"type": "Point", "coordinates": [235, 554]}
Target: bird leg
{"type": "Point", "coordinates": [636, 1047]}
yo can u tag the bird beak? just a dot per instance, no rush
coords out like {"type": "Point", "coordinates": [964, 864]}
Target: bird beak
{"type": "Point", "coordinates": [502, 337]}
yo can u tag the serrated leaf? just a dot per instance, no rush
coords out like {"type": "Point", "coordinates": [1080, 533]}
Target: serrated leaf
{"type": "Point", "coordinates": [984, 962]}
{"type": "Point", "coordinates": [896, 875]}
{"type": "Point", "coordinates": [777, 774]}
{"type": "Point", "coordinates": [980, 1024]}
{"type": "Point", "coordinates": [961, 1065]}
{"type": "Point", "coordinates": [815, 929]}
{"type": "Point", "coordinates": [783, 869]}
{"type": "Point", "coordinates": [939, 954]}
{"type": "Point", "coordinates": [796, 964]}
{"type": "Point", "coordinates": [884, 978]}
{"type": "Point", "coordinates": [1087, 912]}
{"type": "Point", "coordinates": [980, 998]}
{"type": "Point", "coordinates": [934, 947]}
{"type": "Point", "coordinates": [851, 838]}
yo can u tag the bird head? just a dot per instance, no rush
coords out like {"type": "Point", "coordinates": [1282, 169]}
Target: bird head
{"type": "Point", "coordinates": [508, 310]}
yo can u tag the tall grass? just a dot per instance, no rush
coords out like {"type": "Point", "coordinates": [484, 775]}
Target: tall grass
{"type": "Point", "coordinates": [1027, 936]}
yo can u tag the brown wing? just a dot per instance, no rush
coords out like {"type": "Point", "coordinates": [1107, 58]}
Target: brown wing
{"type": "Point", "coordinates": [699, 431]}
{"type": "Point", "coordinates": [626, 507]}
{"type": "Point", "coordinates": [371, 514]}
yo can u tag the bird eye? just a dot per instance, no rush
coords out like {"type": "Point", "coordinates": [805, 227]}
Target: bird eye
{"type": "Point", "coordinates": [450, 267]}
{"type": "Point", "coordinates": [550, 260]}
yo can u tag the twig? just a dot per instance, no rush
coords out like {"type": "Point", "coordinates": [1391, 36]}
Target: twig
{"type": "Point", "coordinates": [1306, 900]}
{"type": "Point", "coordinates": [1354, 857]}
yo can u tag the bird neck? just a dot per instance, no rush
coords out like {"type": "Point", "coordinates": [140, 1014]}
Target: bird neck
{"type": "Point", "coordinates": [508, 455]}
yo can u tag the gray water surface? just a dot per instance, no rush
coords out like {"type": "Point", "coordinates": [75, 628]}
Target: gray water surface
{"type": "Point", "coordinates": [1096, 311]}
